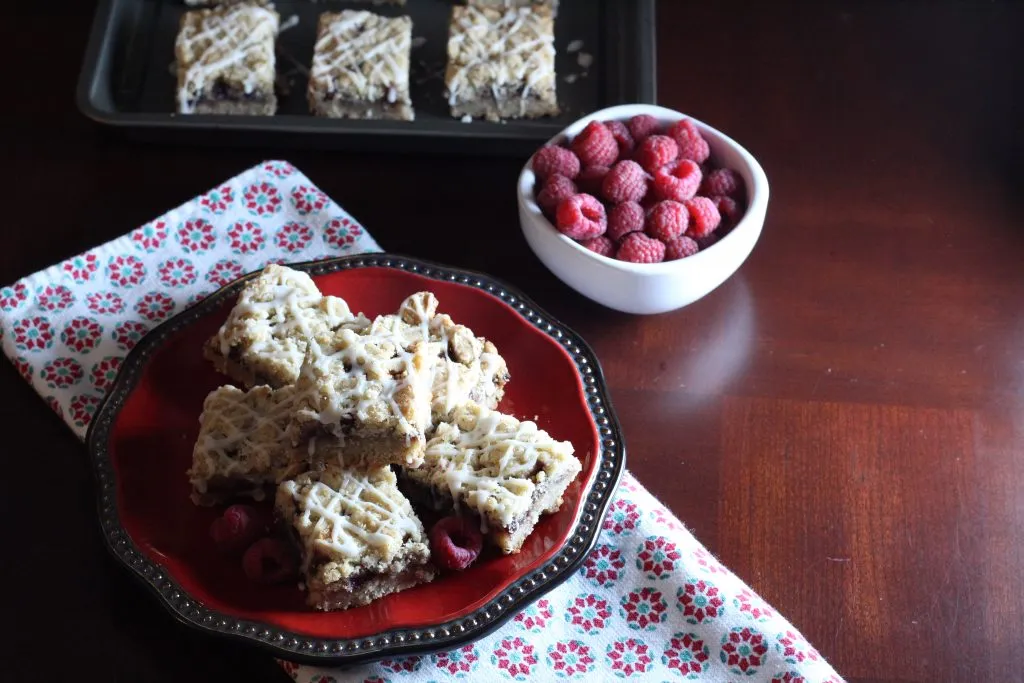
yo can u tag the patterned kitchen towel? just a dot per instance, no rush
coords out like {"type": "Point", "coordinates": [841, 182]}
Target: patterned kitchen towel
{"type": "Point", "coordinates": [650, 603]}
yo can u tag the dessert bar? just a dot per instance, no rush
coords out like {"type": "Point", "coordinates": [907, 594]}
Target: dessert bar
{"type": "Point", "coordinates": [225, 60]}
{"type": "Point", "coordinates": [499, 4]}
{"type": "Point", "coordinates": [492, 465]}
{"type": "Point", "coordinates": [363, 399]}
{"type": "Point", "coordinates": [242, 447]}
{"type": "Point", "coordinates": [465, 367]}
{"type": "Point", "coordinates": [266, 334]}
{"type": "Point", "coordinates": [357, 535]}
{"type": "Point", "coordinates": [361, 67]}
{"type": "Point", "coordinates": [501, 63]}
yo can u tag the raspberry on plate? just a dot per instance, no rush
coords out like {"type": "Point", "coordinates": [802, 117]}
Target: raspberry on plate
{"type": "Point", "coordinates": [680, 247]}
{"type": "Point", "coordinates": [656, 152]}
{"type": "Point", "coordinates": [622, 137]}
{"type": "Point", "coordinates": [625, 218]}
{"type": "Point", "coordinates": [667, 220]}
{"type": "Point", "coordinates": [625, 182]}
{"type": "Point", "coordinates": [237, 528]}
{"type": "Point", "coordinates": [551, 159]}
{"type": "Point", "coordinates": [581, 217]}
{"type": "Point", "coordinates": [591, 179]}
{"type": "Point", "coordinates": [455, 542]}
{"type": "Point", "coordinates": [704, 217]}
{"type": "Point", "coordinates": [678, 183]}
{"type": "Point", "coordinates": [692, 144]}
{"type": "Point", "coordinates": [555, 189]}
{"type": "Point", "coordinates": [600, 245]}
{"type": "Point", "coordinates": [721, 181]}
{"type": "Point", "coordinates": [269, 560]}
{"type": "Point", "coordinates": [642, 127]}
{"type": "Point", "coordinates": [637, 247]}
{"type": "Point", "coordinates": [595, 145]}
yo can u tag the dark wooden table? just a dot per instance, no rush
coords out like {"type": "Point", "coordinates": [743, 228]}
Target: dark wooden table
{"type": "Point", "coordinates": [842, 422]}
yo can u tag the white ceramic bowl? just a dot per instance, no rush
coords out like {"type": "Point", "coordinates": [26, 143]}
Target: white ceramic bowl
{"type": "Point", "coordinates": [655, 287]}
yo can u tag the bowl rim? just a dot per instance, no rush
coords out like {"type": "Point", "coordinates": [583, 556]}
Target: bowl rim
{"type": "Point", "coordinates": [758, 193]}
{"type": "Point", "coordinates": [595, 495]}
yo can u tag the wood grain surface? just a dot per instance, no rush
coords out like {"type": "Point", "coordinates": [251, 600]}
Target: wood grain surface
{"type": "Point", "coordinates": [842, 422]}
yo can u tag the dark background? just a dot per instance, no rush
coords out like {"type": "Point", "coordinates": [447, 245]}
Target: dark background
{"type": "Point", "coordinates": [842, 422]}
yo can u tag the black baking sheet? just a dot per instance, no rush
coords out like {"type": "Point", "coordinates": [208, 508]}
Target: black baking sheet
{"type": "Point", "coordinates": [128, 80]}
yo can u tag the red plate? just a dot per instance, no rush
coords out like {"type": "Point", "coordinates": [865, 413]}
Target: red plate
{"type": "Point", "coordinates": [141, 443]}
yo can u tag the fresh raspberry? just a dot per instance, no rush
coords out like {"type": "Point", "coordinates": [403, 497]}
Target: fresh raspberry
{"type": "Point", "coordinates": [591, 179]}
{"type": "Point", "coordinates": [642, 127]}
{"type": "Point", "coordinates": [622, 137]}
{"type": "Point", "coordinates": [555, 189]}
{"type": "Point", "coordinates": [269, 560]}
{"type": "Point", "coordinates": [656, 152]}
{"type": "Point", "coordinates": [236, 529]}
{"type": "Point", "coordinates": [625, 182]}
{"type": "Point", "coordinates": [667, 220]}
{"type": "Point", "coordinates": [637, 247]}
{"type": "Point", "coordinates": [704, 217]}
{"type": "Point", "coordinates": [455, 542]}
{"type": "Point", "coordinates": [679, 182]}
{"type": "Point", "coordinates": [550, 159]}
{"type": "Point", "coordinates": [721, 181]}
{"type": "Point", "coordinates": [581, 217]}
{"type": "Point", "coordinates": [596, 146]}
{"type": "Point", "coordinates": [728, 209]}
{"type": "Point", "coordinates": [680, 247]}
{"type": "Point", "coordinates": [707, 241]}
{"type": "Point", "coordinates": [625, 218]}
{"type": "Point", "coordinates": [692, 144]}
{"type": "Point", "coordinates": [600, 245]}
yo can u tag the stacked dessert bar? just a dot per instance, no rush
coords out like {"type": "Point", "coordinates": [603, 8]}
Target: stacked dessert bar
{"type": "Point", "coordinates": [501, 61]}
{"type": "Point", "coordinates": [333, 410]}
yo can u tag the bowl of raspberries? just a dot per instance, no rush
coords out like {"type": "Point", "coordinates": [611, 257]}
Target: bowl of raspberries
{"type": "Point", "coordinates": [641, 208]}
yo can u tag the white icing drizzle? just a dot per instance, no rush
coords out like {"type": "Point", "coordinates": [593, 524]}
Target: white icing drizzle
{"type": "Point", "coordinates": [242, 435]}
{"type": "Point", "coordinates": [235, 43]}
{"type": "Point", "coordinates": [275, 316]}
{"type": "Point", "coordinates": [491, 462]}
{"type": "Point", "coordinates": [363, 55]}
{"type": "Point", "coordinates": [363, 376]}
{"type": "Point", "coordinates": [494, 48]}
{"type": "Point", "coordinates": [454, 381]}
{"type": "Point", "coordinates": [349, 515]}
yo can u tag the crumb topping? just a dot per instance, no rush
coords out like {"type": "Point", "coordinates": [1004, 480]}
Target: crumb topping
{"type": "Point", "coordinates": [232, 45]}
{"type": "Point", "coordinates": [363, 55]}
{"type": "Point", "coordinates": [350, 518]}
{"type": "Point", "coordinates": [491, 462]}
{"type": "Point", "coordinates": [493, 49]}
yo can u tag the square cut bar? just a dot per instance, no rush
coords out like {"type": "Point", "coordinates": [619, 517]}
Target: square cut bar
{"type": "Point", "coordinates": [501, 63]}
{"type": "Point", "coordinates": [241, 448]}
{"type": "Point", "coordinates": [492, 465]}
{"type": "Point", "coordinates": [225, 59]}
{"type": "Point", "coordinates": [361, 67]}
{"type": "Point", "coordinates": [357, 535]}
{"type": "Point", "coordinates": [466, 368]}
{"type": "Point", "coordinates": [266, 334]}
{"type": "Point", "coordinates": [501, 4]}
{"type": "Point", "coordinates": [363, 400]}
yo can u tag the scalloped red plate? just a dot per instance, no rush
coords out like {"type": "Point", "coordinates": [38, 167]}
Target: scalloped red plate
{"type": "Point", "coordinates": [151, 439]}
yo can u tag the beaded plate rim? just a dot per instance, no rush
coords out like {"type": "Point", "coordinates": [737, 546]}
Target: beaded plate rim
{"type": "Point", "coordinates": [320, 651]}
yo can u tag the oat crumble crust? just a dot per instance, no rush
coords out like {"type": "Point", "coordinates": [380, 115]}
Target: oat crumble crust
{"type": "Point", "coordinates": [501, 63]}
{"type": "Point", "coordinates": [225, 59]}
{"type": "Point", "coordinates": [265, 336]}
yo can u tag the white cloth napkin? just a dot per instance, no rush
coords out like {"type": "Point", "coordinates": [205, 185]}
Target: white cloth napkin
{"type": "Point", "coordinates": [650, 603]}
